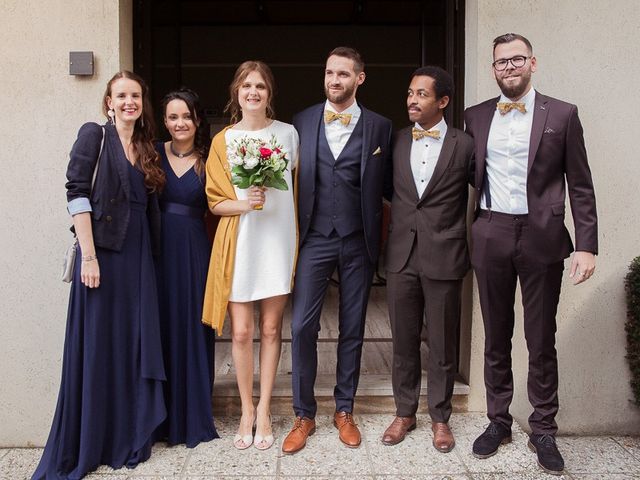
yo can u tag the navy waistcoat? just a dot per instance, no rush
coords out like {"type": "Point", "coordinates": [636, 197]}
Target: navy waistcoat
{"type": "Point", "coordinates": [338, 194]}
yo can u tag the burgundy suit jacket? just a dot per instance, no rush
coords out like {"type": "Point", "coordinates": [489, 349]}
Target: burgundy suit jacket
{"type": "Point", "coordinates": [557, 161]}
{"type": "Point", "coordinates": [435, 221]}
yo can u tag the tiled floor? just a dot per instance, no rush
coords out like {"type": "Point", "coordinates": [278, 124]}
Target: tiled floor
{"type": "Point", "coordinates": [586, 458]}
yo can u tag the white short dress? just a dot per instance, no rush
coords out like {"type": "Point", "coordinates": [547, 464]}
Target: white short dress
{"type": "Point", "coordinates": [267, 238]}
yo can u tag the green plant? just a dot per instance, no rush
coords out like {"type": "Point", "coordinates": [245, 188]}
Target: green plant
{"type": "Point", "coordinates": [632, 289]}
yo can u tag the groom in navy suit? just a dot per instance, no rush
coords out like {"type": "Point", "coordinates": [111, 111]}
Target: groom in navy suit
{"type": "Point", "coordinates": [343, 170]}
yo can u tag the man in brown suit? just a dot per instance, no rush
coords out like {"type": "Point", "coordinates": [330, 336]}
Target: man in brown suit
{"type": "Point", "coordinates": [427, 254]}
{"type": "Point", "coordinates": [528, 147]}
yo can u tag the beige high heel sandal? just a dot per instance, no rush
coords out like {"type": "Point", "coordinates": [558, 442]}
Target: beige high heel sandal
{"type": "Point", "coordinates": [242, 442]}
{"type": "Point", "coordinates": [264, 443]}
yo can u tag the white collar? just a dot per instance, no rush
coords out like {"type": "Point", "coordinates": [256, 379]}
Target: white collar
{"type": "Point", "coordinates": [352, 109]}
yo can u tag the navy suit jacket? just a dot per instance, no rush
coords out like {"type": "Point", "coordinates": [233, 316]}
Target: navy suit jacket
{"type": "Point", "coordinates": [557, 160]}
{"type": "Point", "coordinates": [375, 171]}
{"type": "Point", "coordinates": [110, 194]}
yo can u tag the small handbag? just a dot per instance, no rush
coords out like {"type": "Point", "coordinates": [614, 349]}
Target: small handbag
{"type": "Point", "coordinates": [69, 260]}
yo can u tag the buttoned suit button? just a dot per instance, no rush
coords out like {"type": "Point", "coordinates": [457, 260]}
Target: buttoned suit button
{"type": "Point", "coordinates": [112, 201]}
{"type": "Point", "coordinates": [109, 218]}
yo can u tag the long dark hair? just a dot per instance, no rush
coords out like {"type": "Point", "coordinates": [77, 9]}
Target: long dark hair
{"type": "Point", "coordinates": [143, 134]}
{"type": "Point", "coordinates": [243, 71]}
{"type": "Point", "coordinates": [201, 142]}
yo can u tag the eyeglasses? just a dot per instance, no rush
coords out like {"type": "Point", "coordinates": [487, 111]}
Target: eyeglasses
{"type": "Point", "coordinates": [518, 61]}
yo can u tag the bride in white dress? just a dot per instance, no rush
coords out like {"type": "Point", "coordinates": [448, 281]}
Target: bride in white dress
{"type": "Point", "coordinates": [265, 247]}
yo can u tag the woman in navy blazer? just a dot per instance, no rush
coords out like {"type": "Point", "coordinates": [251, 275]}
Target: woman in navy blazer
{"type": "Point", "coordinates": [111, 399]}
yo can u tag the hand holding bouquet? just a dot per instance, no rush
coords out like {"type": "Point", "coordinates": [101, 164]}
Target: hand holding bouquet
{"type": "Point", "coordinates": [257, 163]}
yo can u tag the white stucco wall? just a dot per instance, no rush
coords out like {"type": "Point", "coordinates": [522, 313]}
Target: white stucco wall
{"type": "Point", "coordinates": [43, 107]}
{"type": "Point", "coordinates": [587, 53]}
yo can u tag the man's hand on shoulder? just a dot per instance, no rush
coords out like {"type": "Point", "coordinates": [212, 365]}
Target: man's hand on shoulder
{"type": "Point", "coordinates": [583, 264]}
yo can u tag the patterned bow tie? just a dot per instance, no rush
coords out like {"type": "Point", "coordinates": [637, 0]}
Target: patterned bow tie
{"type": "Point", "coordinates": [418, 133]}
{"type": "Point", "coordinates": [506, 107]}
{"type": "Point", "coordinates": [330, 116]}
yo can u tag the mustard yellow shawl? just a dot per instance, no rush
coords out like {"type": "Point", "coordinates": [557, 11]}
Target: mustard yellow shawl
{"type": "Point", "coordinates": [220, 276]}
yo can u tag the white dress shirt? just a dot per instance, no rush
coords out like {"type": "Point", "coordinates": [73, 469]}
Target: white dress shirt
{"type": "Point", "coordinates": [508, 157]}
{"type": "Point", "coordinates": [424, 156]}
{"type": "Point", "coordinates": [337, 134]}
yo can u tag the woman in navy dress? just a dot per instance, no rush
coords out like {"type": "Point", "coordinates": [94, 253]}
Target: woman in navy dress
{"type": "Point", "coordinates": [111, 399]}
{"type": "Point", "coordinates": [182, 274]}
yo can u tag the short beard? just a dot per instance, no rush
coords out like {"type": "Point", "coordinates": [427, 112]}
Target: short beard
{"type": "Point", "coordinates": [515, 91]}
{"type": "Point", "coordinates": [339, 98]}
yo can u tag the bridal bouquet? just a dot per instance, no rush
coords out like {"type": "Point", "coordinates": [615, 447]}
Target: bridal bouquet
{"type": "Point", "coordinates": [255, 162]}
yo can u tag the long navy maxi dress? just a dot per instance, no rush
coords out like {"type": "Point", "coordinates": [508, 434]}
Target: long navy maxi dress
{"type": "Point", "coordinates": [110, 399]}
{"type": "Point", "coordinates": [188, 344]}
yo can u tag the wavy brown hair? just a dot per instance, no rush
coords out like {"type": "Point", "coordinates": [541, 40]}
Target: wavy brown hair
{"type": "Point", "coordinates": [245, 68]}
{"type": "Point", "coordinates": [201, 142]}
{"type": "Point", "coordinates": [143, 134]}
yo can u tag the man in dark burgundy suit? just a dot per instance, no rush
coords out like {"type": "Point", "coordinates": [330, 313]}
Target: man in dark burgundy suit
{"type": "Point", "coordinates": [427, 255]}
{"type": "Point", "coordinates": [529, 148]}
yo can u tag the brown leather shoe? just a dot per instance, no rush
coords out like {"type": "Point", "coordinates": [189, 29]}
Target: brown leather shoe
{"type": "Point", "coordinates": [347, 429]}
{"type": "Point", "coordinates": [442, 437]}
{"type": "Point", "coordinates": [295, 441]}
{"type": "Point", "coordinates": [398, 429]}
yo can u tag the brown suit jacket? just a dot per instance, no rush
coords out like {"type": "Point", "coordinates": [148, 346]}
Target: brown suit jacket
{"type": "Point", "coordinates": [437, 220]}
{"type": "Point", "coordinates": [556, 153]}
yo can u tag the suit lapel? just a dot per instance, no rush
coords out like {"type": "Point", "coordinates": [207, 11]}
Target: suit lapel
{"type": "Point", "coordinates": [540, 112]}
{"type": "Point", "coordinates": [405, 141]}
{"type": "Point", "coordinates": [119, 158]}
{"type": "Point", "coordinates": [311, 146]}
{"type": "Point", "coordinates": [367, 128]}
{"type": "Point", "coordinates": [444, 159]}
{"type": "Point", "coordinates": [484, 125]}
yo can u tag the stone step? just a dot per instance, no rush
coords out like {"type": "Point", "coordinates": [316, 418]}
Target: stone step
{"type": "Point", "coordinates": [374, 395]}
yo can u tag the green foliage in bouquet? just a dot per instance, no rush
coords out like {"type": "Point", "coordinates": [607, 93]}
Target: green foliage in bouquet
{"type": "Point", "coordinates": [632, 289]}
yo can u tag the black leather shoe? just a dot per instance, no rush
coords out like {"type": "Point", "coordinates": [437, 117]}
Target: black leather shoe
{"type": "Point", "coordinates": [486, 445]}
{"type": "Point", "coordinates": [549, 457]}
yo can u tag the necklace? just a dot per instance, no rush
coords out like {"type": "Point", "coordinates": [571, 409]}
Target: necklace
{"type": "Point", "coordinates": [181, 155]}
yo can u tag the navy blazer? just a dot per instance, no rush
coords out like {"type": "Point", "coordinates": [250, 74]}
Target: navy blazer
{"type": "Point", "coordinates": [109, 198]}
{"type": "Point", "coordinates": [375, 171]}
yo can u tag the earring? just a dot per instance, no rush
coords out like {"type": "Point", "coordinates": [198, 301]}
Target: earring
{"type": "Point", "coordinates": [142, 121]}
{"type": "Point", "coordinates": [112, 116]}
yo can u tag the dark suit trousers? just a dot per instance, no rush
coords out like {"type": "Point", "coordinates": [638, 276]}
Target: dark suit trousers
{"type": "Point", "coordinates": [413, 299]}
{"type": "Point", "coordinates": [499, 262]}
{"type": "Point", "coordinates": [317, 259]}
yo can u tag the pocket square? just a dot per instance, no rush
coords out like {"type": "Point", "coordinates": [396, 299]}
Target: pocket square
{"type": "Point", "coordinates": [377, 151]}
{"type": "Point", "coordinates": [549, 130]}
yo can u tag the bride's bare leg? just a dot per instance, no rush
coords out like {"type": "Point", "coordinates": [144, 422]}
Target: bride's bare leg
{"type": "Point", "coordinates": [271, 312]}
{"type": "Point", "coordinates": [241, 315]}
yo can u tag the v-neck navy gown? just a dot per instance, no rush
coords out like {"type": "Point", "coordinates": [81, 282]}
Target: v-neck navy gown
{"type": "Point", "coordinates": [110, 399]}
{"type": "Point", "coordinates": [188, 344]}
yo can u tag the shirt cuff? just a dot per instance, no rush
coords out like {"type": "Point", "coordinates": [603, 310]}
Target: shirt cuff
{"type": "Point", "coordinates": [79, 205]}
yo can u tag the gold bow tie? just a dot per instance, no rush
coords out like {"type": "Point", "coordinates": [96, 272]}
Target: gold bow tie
{"type": "Point", "coordinates": [506, 107]}
{"type": "Point", "coordinates": [330, 116]}
{"type": "Point", "coordinates": [418, 133]}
